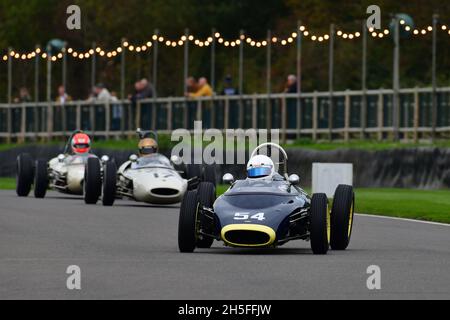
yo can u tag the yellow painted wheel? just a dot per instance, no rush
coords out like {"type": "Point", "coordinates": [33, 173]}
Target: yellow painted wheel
{"type": "Point", "coordinates": [342, 214]}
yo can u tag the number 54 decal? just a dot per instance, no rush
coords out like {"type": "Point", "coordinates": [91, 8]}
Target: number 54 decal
{"type": "Point", "coordinates": [247, 216]}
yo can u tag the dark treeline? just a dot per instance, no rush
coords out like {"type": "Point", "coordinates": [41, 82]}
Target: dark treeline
{"type": "Point", "coordinates": [25, 23]}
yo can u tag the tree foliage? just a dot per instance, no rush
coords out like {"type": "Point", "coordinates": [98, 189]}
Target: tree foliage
{"type": "Point", "coordinates": [25, 23]}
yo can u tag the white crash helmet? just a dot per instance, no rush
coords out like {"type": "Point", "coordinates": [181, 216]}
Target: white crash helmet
{"type": "Point", "coordinates": [260, 166]}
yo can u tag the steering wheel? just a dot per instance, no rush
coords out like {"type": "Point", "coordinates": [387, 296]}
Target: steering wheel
{"type": "Point", "coordinates": [269, 146]}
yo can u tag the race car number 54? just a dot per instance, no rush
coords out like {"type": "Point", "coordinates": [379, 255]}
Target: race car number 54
{"type": "Point", "coordinates": [247, 216]}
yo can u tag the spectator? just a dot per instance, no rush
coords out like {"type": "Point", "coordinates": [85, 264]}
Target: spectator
{"type": "Point", "coordinates": [24, 96]}
{"type": "Point", "coordinates": [191, 86]}
{"type": "Point", "coordinates": [116, 112]}
{"type": "Point", "coordinates": [100, 93]}
{"type": "Point", "coordinates": [143, 90]}
{"type": "Point", "coordinates": [228, 89]}
{"type": "Point", "coordinates": [63, 97]}
{"type": "Point", "coordinates": [203, 90]}
{"type": "Point", "coordinates": [291, 84]}
{"type": "Point", "coordinates": [147, 90]}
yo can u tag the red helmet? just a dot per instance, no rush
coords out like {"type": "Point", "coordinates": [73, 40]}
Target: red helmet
{"type": "Point", "coordinates": [81, 143]}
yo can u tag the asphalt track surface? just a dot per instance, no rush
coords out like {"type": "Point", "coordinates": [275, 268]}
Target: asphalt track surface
{"type": "Point", "coordinates": [130, 252]}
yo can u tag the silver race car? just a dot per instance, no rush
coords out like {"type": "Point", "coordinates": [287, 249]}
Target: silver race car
{"type": "Point", "coordinates": [65, 173]}
{"type": "Point", "coordinates": [148, 177]}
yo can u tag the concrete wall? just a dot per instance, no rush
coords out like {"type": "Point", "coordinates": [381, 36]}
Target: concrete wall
{"type": "Point", "coordinates": [409, 168]}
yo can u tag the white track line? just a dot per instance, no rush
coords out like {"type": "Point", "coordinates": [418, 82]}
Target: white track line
{"type": "Point", "coordinates": [403, 219]}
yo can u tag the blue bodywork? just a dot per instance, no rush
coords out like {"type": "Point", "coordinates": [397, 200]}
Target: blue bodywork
{"type": "Point", "coordinates": [272, 201]}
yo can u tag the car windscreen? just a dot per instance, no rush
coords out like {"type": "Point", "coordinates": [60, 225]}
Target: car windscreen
{"type": "Point", "coordinates": [267, 187]}
{"type": "Point", "coordinates": [154, 161]}
{"type": "Point", "coordinates": [77, 159]}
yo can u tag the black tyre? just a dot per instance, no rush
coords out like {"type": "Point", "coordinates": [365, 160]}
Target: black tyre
{"type": "Point", "coordinates": [92, 181]}
{"type": "Point", "coordinates": [209, 174]}
{"type": "Point", "coordinates": [206, 197]}
{"type": "Point", "coordinates": [342, 214]}
{"type": "Point", "coordinates": [40, 179]}
{"type": "Point", "coordinates": [193, 171]}
{"type": "Point", "coordinates": [24, 175]}
{"type": "Point", "coordinates": [320, 224]}
{"type": "Point", "coordinates": [187, 225]}
{"type": "Point", "coordinates": [109, 183]}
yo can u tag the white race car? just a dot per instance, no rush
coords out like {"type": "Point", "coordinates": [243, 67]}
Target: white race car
{"type": "Point", "coordinates": [65, 173]}
{"type": "Point", "coordinates": [151, 178]}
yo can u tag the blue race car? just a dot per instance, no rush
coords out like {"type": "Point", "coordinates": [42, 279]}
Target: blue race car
{"type": "Point", "coordinates": [268, 209]}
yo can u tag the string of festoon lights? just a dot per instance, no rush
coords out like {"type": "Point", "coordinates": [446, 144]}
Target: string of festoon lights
{"type": "Point", "coordinates": [217, 37]}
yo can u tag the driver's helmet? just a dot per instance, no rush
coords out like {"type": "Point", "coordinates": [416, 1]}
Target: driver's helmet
{"type": "Point", "coordinates": [81, 143]}
{"type": "Point", "coordinates": [147, 147]}
{"type": "Point", "coordinates": [260, 166]}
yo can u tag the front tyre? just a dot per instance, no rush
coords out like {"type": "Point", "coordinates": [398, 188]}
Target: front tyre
{"type": "Point", "coordinates": [209, 174]}
{"type": "Point", "coordinates": [320, 224]}
{"type": "Point", "coordinates": [24, 175]}
{"type": "Point", "coordinates": [40, 179]}
{"type": "Point", "coordinates": [109, 183]}
{"type": "Point", "coordinates": [92, 181]}
{"type": "Point", "coordinates": [342, 214]}
{"type": "Point", "coordinates": [187, 225]}
{"type": "Point", "coordinates": [206, 197]}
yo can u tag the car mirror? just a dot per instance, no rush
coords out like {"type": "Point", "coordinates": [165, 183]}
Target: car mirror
{"type": "Point", "coordinates": [61, 158]}
{"type": "Point", "coordinates": [228, 178]}
{"type": "Point", "coordinates": [133, 158]}
{"type": "Point", "coordinates": [176, 160]}
{"type": "Point", "coordinates": [105, 158]}
{"type": "Point", "coordinates": [294, 179]}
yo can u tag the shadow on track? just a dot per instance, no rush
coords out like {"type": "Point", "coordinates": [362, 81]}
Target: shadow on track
{"type": "Point", "coordinates": [148, 206]}
{"type": "Point", "coordinates": [255, 251]}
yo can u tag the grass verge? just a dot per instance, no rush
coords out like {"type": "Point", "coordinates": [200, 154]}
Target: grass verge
{"type": "Point", "coordinates": [7, 183]}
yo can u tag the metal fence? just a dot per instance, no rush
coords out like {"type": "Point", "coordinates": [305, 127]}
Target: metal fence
{"type": "Point", "coordinates": [351, 115]}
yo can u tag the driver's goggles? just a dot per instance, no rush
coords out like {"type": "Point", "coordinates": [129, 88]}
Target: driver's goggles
{"type": "Point", "coordinates": [148, 150]}
{"type": "Point", "coordinates": [81, 146]}
{"type": "Point", "coordinates": [259, 172]}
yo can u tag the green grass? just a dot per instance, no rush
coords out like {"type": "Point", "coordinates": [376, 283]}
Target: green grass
{"type": "Point", "coordinates": [7, 183]}
{"type": "Point", "coordinates": [429, 205]}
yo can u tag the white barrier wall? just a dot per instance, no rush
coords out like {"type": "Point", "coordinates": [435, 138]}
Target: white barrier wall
{"type": "Point", "coordinates": [327, 176]}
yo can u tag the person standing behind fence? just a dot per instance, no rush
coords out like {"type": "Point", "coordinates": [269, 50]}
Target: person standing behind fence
{"type": "Point", "coordinates": [291, 84]}
{"type": "Point", "coordinates": [24, 96]}
{"type": "Point", "coordinates": [63, 97]}
{"type": "Point", "coordinates": [228, 89]}
{"type": "Point", "coordinates": [100, 94]}
{"type": "Point", "coordinates": [143, 90]}
{"type": "Point", "coordinates": [191, 86]}
{"type": "Point", "coordinates": [204, 89]}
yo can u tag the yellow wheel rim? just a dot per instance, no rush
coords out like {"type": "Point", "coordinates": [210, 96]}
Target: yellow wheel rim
{"type": "Point", "coordinates": [328, 224]}
{"type": "Point", "coordinates": [350, 220]}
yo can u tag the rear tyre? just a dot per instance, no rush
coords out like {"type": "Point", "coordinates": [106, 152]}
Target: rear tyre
{"type": "Point", "coordinates": [342, 214]}
{"type": "Point", "coordinates": [320, 224]}
{"type": "Point", "coordinates": [187, 225]}
{"type": "Point", "coordinates": [40, 179]}
{"type": "Point", "coordinates": [209, 174]}
{"type": "Point", "coordinates": [92, 181]}
{"type": "Point", "coordinates": [24, 175]}
{"type": "Point", "coordinates": [206, 197]}
{"type": "Point", "coordinates": [109, 183]}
